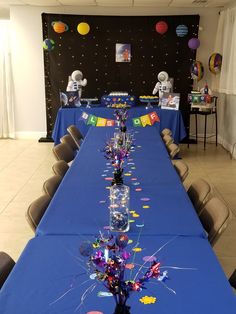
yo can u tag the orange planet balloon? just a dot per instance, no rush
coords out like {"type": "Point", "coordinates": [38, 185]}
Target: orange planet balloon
{"type": "Point", "coordinates": [59, 27]}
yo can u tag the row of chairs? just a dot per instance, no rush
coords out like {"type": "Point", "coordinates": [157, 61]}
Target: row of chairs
{"type": "Point", "coordinates": [64, 154]}
{"type": "Point", "coordinates": [172, 148]}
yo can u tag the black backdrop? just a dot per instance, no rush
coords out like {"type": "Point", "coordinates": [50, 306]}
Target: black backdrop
{"type": "Point", "coordinates": [94, 55]}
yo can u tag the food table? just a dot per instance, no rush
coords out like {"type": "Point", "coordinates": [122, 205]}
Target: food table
{"type": "Point", "coordinates": [171, 119]}
{"type": "Point", "coordinates": [83, 192]}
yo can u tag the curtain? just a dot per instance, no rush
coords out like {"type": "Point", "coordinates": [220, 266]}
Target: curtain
{"type": "Point", "coordinates": [7, 123]}
{"type": "Point", "coordinates": [226, 45]}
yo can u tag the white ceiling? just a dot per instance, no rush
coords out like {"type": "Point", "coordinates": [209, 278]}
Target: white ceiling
{"type": "Point", "coordinates": [128, 3]}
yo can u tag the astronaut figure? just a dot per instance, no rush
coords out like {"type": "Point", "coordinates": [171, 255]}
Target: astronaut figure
{"type": "Point", "coordinates": [75, 83]}
{"type": "Point", "coordinates": [163, 86]}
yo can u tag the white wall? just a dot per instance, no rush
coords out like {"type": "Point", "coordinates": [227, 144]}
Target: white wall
{"type": "Point", "coordinates": [27, 54]}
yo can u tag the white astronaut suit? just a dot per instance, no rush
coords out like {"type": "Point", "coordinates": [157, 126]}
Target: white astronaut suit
{"type": "Point", "coordinates": [163, 85]}
{"type": "Point", "coordinates": [75, 83]}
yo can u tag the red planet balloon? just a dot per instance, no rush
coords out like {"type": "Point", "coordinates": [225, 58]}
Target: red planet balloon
{"type": "Point", "coordinates": [161, 27]}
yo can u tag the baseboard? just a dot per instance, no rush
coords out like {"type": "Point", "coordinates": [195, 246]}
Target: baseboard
{"type": "Point", "coordinates": [28, 135]}
{"type": "Point", "coordinates": [227, 146]}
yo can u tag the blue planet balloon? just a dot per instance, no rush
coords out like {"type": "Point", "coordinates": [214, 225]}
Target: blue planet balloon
{"type": "Point", "coordinates": [48, 44]}
{"type": "Point", "coordinates": [181, 30]}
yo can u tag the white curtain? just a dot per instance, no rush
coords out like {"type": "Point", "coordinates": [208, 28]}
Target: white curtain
{"type": "Point", "coordinates": [226, 46]}
{"type": "Point", "coordinates": [7, 123]}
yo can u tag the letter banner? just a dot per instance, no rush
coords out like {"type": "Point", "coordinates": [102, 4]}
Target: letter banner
{"type": "Point", "coordinates": [84, 116]}
{"type": "Point", "coordinates": [110, 122]}
{"type": "Point", "coordinates": [101, 121]}
{"type": "Point", "coordinates": [147, 119]}
{"type": "Point", "coordinates": [137, 122]}
{"type": "Point", "coordinates": [92, 120]}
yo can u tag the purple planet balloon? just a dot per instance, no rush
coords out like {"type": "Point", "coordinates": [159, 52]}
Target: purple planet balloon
{"type": "Point", "coordinates": [194, 43]}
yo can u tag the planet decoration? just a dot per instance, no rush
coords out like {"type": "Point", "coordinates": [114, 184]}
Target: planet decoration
{"type": "Point", "coordinates": [181, 30]}
{"type": "Point", "coordinates": [83, 28]}
{"type": "Point", "coordinates": [215, 62]}
{"type": "Point", "coordinates": [161, 27]}
{"type": "Point", "coordinates": [197, 70]}
{"type": "Point", "coordinates": [194, 43]}
{"type": "Point", "coordinates": [59, 27]}
{"type": "Point", "coordinates": [48, 44]}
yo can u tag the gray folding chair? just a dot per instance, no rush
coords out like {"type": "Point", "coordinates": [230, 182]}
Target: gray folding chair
{"type": "Point", "coordinates": [60, 168]}
{"type": "Point", "coordinates": [168, 139]}
{"type": "Point", "coordinates": [181, 168]}
{"type": "Point", "coordinates": [51, 185]}
{"type": "Point", "coordinates": [36, 210]}
{"type": "Point", "coordinates": [199, 193]}
{"type": "Point", "coordinates": [166, 132]}
{"type": "Point", "coordinates": [63, 151]}
{"type": "Point", "coordinates": [215, 217]}
{"type": "Point", "coordinates": [75, 134]}
{"type": "Point", "coordinates": [6, 265]}
{"type": "Point", "coordinates": [173, 150]}
{"type": "Point", "coordinates": [69, 141]}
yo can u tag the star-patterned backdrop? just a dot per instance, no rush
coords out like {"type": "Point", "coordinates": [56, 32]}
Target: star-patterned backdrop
{"type": "Point", "coordinates": [94, 55]}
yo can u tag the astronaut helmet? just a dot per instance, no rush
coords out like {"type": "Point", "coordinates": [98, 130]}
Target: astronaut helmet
{"type": "Point", "coordinates": [163, 76]}
{"type": "Point", "coordinates": [77, 75]}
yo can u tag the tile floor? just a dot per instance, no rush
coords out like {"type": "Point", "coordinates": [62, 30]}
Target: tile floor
{"type": "Point", "coordinates": [26, 164]}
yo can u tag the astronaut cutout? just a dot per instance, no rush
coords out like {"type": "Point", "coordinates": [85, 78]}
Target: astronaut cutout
{"type": "Point", "coordinates": [163, 86]}
{"type": "Point", "coordinates": [75, 83]}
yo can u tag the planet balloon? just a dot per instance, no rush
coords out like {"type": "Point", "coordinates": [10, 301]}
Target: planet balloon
{"type": "Point", "coordinates": [181, 30]}
{"type": "Point", "coordinates": [197, 70]}
{"type": "Point", "coordinates": [215, 62]}
{"type": "Point", "coordinates": [83, 28]}
{"type": "Point", "coordinates": [48, 44]}
{"type": "Point", "coordinates": [194, 43]}
{"type": "Point", "coordinates": [59, 27]}
{"type": "Point", "coordinates": [161, 27]}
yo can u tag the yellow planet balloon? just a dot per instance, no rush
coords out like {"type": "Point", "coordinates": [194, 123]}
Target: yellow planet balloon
{"type": "Point", "coordinates": [83, 28]}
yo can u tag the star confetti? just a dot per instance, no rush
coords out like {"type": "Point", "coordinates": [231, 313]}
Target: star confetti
{"type": "Point", "coordinates": [148, 300]}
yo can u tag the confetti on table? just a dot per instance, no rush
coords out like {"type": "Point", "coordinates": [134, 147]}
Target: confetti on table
{"type": "Point", "coordinates": [140, 226]}
{"type": "Point", "coordinates": [129, 266]}
{"type": "Point", "coordinates": [137, 249]}
{"type": "Point", "coordinates": [139, 146]}
{"type": "Point", "coordinates": [108, 179]}
{"type": "Point", "coordinates": [106, 170]}
{"type": "Point", "coordinates": [108, 164]}
{"type": "Point", "coordinates": [94, 312]}
{"type": "Point", "coordinates": [146, 206]}
{"type": "Point", "coordinates": [130, 221]}
{"type": "Point", "coordinates": [135, 215]}
{"type": "Point", "coordinates": [130, 241]}
{"type": "Point", "coordinates": [132, 211]}
{"type": "Point", "coordinates": [103, 294]}
{"type": "Point", "coordinates": [108, 187]}
{"type": "Point", "coordinates": [93, 276]}
{"type": "Point", "coordinates": [106, 228]}
{"type": "Point", "coordinates": [138, 190]}
{"type": "Point", "coordinates": [102, 202]}
{"type": "Point", "coordinates": [133, 168]}
{"type": "Point", "coordinates": [149, 258]}
{"type": "Point", "coordinates": [148, 300]}
{"type": "Point", "coordinates": [136, 183]}
{"type": "Point", "coordinates": [145, 199]}
{"type": "Point", "coordinates": [127, 174]}
{"type": "Point", "coordinates": [103, 175]}
{"type": "Point", "coordinates": [134, 179]}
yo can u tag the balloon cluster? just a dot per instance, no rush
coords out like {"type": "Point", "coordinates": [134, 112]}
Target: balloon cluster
{"type": "Point", "coordinates": [116, 154]}
{"type": "Point", "coordinates": [121, 117]}
{"type": "Point", "coordinates": [108, 260]}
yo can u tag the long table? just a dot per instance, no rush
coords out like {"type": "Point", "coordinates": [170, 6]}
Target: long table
{"type": "Point", "coordinates": [51, 277]}
{"type": "Point", "coordinates": [80, 205]}
{"type": "Point", "coordinates": [171, 119]}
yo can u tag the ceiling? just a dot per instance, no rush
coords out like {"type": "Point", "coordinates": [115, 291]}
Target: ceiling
{"type": "Point", "coordinates": [123, 3]}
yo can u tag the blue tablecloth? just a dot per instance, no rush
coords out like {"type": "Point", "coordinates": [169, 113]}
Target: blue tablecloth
{"type": "Point", "coordinates": [171, 119]}
{"type": "Point", "coordinates": [51, 278]}
{"type": "Point", "coordinates": [80, 204]}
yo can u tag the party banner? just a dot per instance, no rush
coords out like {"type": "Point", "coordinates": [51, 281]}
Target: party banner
{"type": "Point", "coordinates": [147, 119]}
{"type": "Point", "coordinates": [90, 119]}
